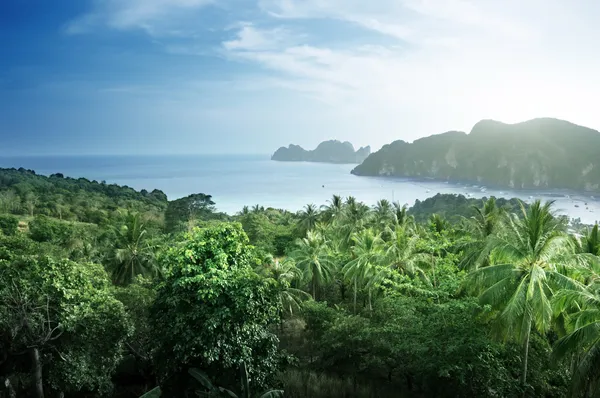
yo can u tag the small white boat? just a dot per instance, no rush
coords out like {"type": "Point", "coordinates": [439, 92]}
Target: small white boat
{"type": "Point", "coordinates": [428, 191]}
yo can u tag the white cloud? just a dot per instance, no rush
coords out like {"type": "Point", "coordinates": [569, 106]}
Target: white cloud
{"type": "Point", "coordinates": [385, 69]}
{"type": "Point", "coordinates": [449, 62]}
{"type": "Point", "coordinates": [251, 39]}
{"type": "Point", "coordinates": [149, 15]}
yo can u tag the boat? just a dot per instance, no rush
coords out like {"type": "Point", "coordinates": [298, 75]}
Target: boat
{"type": "Point", "coordinates": [576, 205]}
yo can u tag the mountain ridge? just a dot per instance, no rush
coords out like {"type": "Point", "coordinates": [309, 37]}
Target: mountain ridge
{"type": "Point", "coordinates": [537, 153]}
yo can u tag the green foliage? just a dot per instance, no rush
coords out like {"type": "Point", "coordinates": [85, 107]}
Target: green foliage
{"type": "Point", "coordinates": [24, 192]}
{"type": "Point", "coordinates": [9, 225]}
{"type": "Point", "coordinates": [65, 311]}
{"type": "Point", "coordinates": [270, 231]}
{"type": "Point", "coordinates": [213, 311]}
{"type": "Point", "coordinates": [453, 297]}
{"type": "Point", "coordinates": [314, 261]}
{"type": "Point", "coordinates": [181, 212]}
{"type": "Point", "coordinates": [245, 382]}
{"type": "Point", "coordinates": [133, 253]}
{"type": "Point", "coordinates": [456, 207]}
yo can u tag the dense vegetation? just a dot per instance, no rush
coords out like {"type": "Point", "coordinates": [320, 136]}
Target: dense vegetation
{"type": "Point", "coordinates": [327, 152]}
{"type": "Point", "coordinates": [540, 153]}
{"type": "Point", "coordinates": [454, 297]}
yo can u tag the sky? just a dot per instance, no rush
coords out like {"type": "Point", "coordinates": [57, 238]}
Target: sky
{"type": "Point", "coordinates": [248, 76]}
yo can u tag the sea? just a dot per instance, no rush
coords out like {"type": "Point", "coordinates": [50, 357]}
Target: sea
{"type": "Point", "coordinates": [235, 181]}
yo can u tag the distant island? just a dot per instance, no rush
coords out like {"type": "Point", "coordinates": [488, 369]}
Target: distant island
{"type": "Point", "coordinates": [332, 151]}
{"type": "Point", "coordinates": [539, 153]}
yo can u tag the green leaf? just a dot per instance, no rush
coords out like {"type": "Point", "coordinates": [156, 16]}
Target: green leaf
{"type": "Point", "coordinates": [154, 393]}
{"type": "Point", "coordinates": [201, 377]}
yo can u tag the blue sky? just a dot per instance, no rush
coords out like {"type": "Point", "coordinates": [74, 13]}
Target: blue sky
{"type": "Point", "coordinates": [233, 76]}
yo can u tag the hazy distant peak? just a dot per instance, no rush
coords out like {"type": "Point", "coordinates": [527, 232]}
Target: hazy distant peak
{"type": "Point", "coordinates": [332, 151]}
{"type": "Point", "coordinates": [491, 125]}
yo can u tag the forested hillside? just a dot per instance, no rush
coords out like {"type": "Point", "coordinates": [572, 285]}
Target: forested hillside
{"type": "Point", "coordinates": [118, 293]}
{"type": "Point", "coordinates": [539, 153]}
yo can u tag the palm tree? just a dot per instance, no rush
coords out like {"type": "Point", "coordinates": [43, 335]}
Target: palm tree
{"type": "Point", "coordinates": [364, 267]}
{"type": "Point", "coordinates": [285, 273]}
{"type": "Point", "coordinates": [308, 218]}
{"type": "Point", "coordinates": [401, 217]}
{"type": "Point", "coordinates": [256, 209]}
{"type": "Point", "coordinates": [383, 214]}
{"type": "Point", "coordinates": [333, 210]}
{"type": "Point", "coordinates": [351, 201]}
{"type": "Point", "coordinates": [582, 341]}
{"type": "Point", "coordinates": [530, 262]}
{"type": "Point", "coordinates": [590, 242]}
{"type": "Point", "coordinates": [479, 229]}
{"type": "Point", "coordinates": [402, 255]}
{"type": "Point", "coordinates": [354, 218]}
{"type": "Point", "coordinates": [314, 261]}
{"type": "Point", "coordinates": [438, 223]}
{"type": "Point", "coordinates": [133, 255]}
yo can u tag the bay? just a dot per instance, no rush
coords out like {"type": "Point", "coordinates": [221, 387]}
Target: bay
{"type": "Point", "coordinates": [238, 180]}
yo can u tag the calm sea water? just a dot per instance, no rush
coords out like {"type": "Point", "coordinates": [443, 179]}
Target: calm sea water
{"type": "Point", "coordinates": [238, 180]}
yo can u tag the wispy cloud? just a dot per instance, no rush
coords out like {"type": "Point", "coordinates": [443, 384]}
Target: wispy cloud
{"type": "Point", "coordinates": [397, 68]}
{"type": "Point", "coordinates": [462, 59]}
{"type": "Point", "coordinates": [153, 16]}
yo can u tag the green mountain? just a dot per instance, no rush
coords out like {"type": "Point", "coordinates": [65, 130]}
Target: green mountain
{"type": "Point", "coordinates": [327, 152]}
{"type": "Point", "coordinates": [539, 153]}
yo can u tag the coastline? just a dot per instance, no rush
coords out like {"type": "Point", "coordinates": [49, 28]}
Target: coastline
{"type": "Point", "coordinates": [475, 185]}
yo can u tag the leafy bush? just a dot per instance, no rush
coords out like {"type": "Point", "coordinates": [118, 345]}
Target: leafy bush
{"type": "Point", "coordinates": [9, 225]}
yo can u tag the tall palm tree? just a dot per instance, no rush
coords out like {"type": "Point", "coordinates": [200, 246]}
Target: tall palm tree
{"type": "Point", "coordinates": [478, 229]}
{"type": "Point", "coordinates": [133, 254]}
{"type": "Point", "coordinates": [285, 273]}
{"type": "Point", "coordinates": [530, 262]}
{"type": "Point", "coordinates": [309, 216]}
{"type": "Point", "coordinates": [438, 223]}
{"type": "Point", "coordinates": [354, 218]}
{"type": "Point", "coordinates": [364, 268]}
{"type": "Point", "coordinates": [314, 261]}
{"type": "Point", "coordinates": [402, 254]}
{"type": "Point", "coordinates": [590, 242]}
{"type": "Point", "coordinates": [383, 214]}
{"type": "Point", "coordinates": [256, 209]}
{"type": "Point", "coordinates": [582, 340]}
{"type": "Point", "coordinates": [351, 201]}
{"type": "Point", "coordinates": [401, 217]}
{"type": "Point", "coordinates": [333, 210]}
